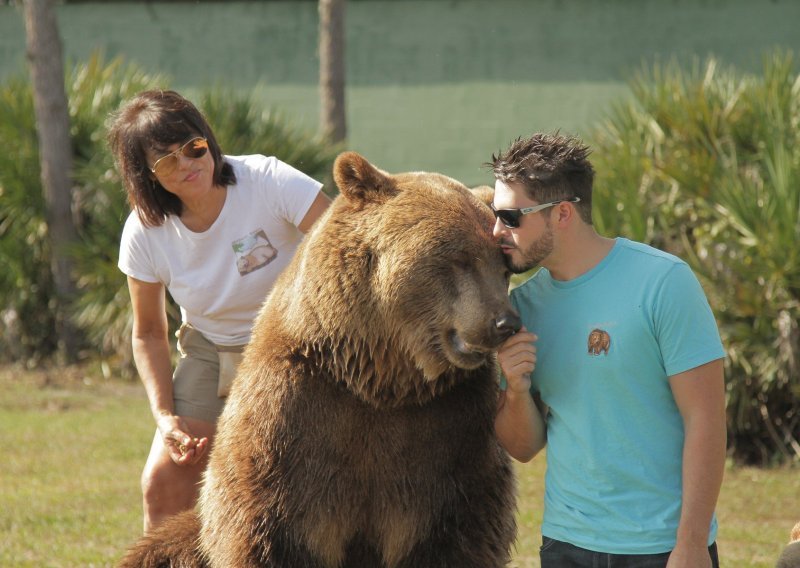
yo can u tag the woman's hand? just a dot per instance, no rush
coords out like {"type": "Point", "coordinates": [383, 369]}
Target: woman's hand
{"type": "Point", "coordinates": [183, 448]}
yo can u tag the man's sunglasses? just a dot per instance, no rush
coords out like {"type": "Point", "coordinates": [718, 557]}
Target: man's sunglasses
{"type": "Point", "coordinates": [194, 148]}
{"type": "Point", "coordinates": [511, 217]}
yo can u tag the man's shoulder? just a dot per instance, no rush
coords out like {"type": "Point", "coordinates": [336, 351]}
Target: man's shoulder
{"type": "Point", "coordinates": [641, 252]}
{"type": "Point", "coordinates": [647, 267]}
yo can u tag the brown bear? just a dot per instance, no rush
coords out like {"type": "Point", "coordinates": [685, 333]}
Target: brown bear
{"type": "Point", "coordinates": [359, 431]}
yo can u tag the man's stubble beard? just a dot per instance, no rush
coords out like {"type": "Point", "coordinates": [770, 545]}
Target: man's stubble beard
{"type": "Point", "coordinates": [534, 254]}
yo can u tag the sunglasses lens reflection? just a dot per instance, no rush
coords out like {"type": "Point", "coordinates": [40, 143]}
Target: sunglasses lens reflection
{"type": "Point", "coordinates": [196, 148]}
{"type": "Point", "coordinates": [193, 149]}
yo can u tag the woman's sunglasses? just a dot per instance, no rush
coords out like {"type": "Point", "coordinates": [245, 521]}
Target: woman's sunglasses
{"type": "Point", "coordinates": [194, 148]}
{"type": "Point", "coordinates": [511, 217]}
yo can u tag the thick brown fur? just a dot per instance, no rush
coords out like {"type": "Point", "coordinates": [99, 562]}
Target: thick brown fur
{"type": "Point", "coordinates": [484, 192]}
{"type": "Point", "coordinates": [790, 556]}
{"type": "Point", "coordinates": [359, 430]}
{"type": "Point", "coordinates": [174, 545]}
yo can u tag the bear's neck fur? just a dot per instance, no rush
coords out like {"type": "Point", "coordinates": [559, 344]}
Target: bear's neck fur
{"type": "Point", "coordinates": [364, 369]}
{"type": "Point", "coordinates": [335, 324]}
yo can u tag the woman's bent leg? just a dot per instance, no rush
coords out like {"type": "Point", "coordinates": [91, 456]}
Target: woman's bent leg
{"type": "Point", "coordinates": [168, 488]}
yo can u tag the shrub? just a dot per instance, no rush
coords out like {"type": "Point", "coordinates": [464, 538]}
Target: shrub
{"type": "Point", "coordinates": [26, 286]}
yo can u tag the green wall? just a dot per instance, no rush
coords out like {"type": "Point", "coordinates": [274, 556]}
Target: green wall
{"type": "Point", "coordinates": [432, 84]}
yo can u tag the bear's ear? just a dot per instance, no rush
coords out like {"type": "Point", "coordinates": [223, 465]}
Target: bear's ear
{"type": "Point", "coordinates": [358, 180]}
{"type": "Point", "coordinates": [484, 192]}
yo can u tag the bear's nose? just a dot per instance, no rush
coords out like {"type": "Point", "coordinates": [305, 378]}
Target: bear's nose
{"type": "Point", "coordinates": [507, 324]}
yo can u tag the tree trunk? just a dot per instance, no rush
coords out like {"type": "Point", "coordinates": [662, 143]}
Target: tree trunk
{"type": "Point", "coordinates": [333, 122]}
{"type": "Point", "coordinates": [46, 63]}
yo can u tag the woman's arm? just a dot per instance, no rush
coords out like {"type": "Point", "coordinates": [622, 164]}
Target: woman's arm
{"type": "Point", "coordinates": [317, 208]}
{"type": "Point", "coordinates": [152, 357]}
{"type": "Point", "coordinates": [150, 344]}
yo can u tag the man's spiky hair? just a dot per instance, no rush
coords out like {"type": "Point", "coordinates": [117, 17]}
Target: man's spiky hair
{"type": "Point", "coordinates": [540, 157]}
{"type": "Point", "coordinates": [550, 167]}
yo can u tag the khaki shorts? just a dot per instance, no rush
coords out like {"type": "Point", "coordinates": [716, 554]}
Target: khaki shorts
{"type": "Point", "coordinates": [195, 384]}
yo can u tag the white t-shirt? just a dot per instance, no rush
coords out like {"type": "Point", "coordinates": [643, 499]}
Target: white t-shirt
{"type": "Point", "coordinates": [220, 277]}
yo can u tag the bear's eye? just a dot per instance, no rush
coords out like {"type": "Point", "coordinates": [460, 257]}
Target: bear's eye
{"type": "Point", "coordinates": [464, 263]}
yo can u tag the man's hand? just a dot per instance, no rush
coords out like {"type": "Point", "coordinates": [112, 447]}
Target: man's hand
{"type": "Point", "coordinates": [517, 359]}
{"type": "Point", "coordinates": [519, 424]}
{"type": "Point", "coordinates": [690, 557]}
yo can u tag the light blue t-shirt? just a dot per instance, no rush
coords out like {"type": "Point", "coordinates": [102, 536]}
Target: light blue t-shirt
{"type": "Point", "coordinates": [608, 343]}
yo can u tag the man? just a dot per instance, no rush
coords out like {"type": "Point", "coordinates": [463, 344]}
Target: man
{"type": "Point", "coordinates": [627, 370]}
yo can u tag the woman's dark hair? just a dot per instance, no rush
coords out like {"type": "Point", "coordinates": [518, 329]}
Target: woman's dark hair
{"type": "Point", "coordinates": [156, 120]}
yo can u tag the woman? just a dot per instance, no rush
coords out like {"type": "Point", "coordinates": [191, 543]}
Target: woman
{"type": "Point", "coordinates": [215, 231]}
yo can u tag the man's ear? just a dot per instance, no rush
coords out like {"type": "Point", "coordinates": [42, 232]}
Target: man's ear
{"type": "Point", "coordinates": [484, 192]}
{"type": "Point", "coordinates": [565, 211]}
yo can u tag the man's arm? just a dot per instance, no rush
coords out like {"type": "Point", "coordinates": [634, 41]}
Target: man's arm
{"type": "Point", "coordinates": [700, 396]}
{"type": "Point", "coordinates": [519, 424]}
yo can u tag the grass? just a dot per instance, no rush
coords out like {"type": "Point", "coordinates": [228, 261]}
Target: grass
{"type": "Point", "coordinates": [72, 450]}
{"type": "Point", "coordinates": [73, 444]}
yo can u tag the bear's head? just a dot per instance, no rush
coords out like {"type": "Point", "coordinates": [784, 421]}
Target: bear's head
{"type": "Point", "coordinates": [400, 278]}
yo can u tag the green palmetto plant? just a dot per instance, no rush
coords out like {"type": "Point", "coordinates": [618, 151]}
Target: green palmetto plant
{"type": "Point", "coordinates": [705, 163]}
{"type": "Point", "coordinates": [101, 309]}
{"type": "Point", "coordinates": [26, 286]}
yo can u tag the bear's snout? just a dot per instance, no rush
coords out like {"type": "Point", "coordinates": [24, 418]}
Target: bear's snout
{"type": "Point", "coordinates": [506, 325]}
